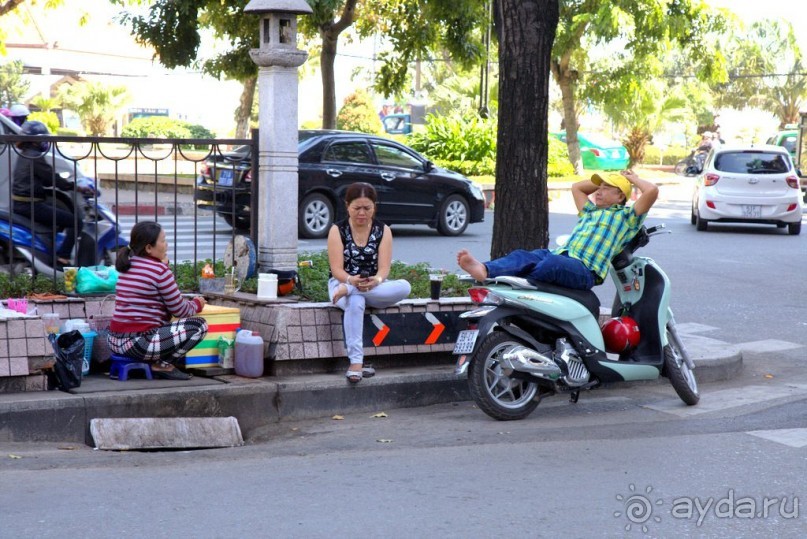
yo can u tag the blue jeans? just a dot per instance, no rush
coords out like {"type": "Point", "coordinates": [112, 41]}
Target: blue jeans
{"type": "Point", "coordinates": [545, 266]}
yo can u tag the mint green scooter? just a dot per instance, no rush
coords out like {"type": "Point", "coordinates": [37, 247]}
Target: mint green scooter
{"type": "Point", "coordinates": [527, 340]}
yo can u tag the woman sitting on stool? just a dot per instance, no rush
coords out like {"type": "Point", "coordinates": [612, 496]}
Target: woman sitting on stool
{"type": "Point", "coordinates": [146, 297]}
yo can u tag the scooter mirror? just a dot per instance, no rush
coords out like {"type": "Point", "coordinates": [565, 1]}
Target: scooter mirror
{"type": "Point", "coordinates": [562, 240]}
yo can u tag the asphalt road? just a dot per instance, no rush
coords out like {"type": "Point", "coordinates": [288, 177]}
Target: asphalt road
{"type": "Point", "coordinates": [625, 461]}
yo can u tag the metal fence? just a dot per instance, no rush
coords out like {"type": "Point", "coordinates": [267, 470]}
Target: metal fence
{"type": "Point", "coordinates": [139, 179]}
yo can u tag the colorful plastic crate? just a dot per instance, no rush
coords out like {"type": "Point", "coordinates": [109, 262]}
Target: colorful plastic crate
{"type": "Point", "coordinates": [221, 322]}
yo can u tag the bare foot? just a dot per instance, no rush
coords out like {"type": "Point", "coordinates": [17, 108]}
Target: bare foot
{"type": "Point", "coordinates": [341, 292]}
{"type": "Point", "coordinates": [474, 267]}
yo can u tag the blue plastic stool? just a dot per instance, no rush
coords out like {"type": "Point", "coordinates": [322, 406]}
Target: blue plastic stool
{"type": "Point", "coordinates": [121, 365]}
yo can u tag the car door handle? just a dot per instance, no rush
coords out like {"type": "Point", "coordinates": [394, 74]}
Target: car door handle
{"type": "Point", "coordinates": [387, 176]}
{"type": "Point", "coordinates": [333, 172]}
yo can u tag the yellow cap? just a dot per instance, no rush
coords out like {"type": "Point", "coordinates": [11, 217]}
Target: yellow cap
{"type": "Point", "coordinates": [616, 180]}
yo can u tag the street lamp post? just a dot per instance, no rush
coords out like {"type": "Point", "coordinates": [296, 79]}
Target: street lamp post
{"type": "Point", "coordinates": [277, 58]}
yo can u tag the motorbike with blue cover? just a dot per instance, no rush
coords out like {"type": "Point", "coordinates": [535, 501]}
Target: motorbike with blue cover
{"type": "Point", "coordinates": [527, 340]}
{"type": "Point", "coordinates": [27, 245]}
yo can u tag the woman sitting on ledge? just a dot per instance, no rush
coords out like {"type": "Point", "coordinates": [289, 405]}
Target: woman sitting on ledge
{"type": "Point", "coordinates": [360, 255]}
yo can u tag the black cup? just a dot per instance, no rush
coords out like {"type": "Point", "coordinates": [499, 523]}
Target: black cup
{"type": "Point", "coordinates": [436, 282]}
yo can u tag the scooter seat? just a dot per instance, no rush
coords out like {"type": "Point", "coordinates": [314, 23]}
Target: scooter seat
{"type": "Point", "coordinates": [586, 297]}
{"type": "Point", "coordinates": [5, 216]}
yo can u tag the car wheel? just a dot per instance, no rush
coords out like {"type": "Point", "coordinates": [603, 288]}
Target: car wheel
{"type": "Point", "coordinates": [239, 223]}
{"type": "Point", "coordinates": [692, 217]}
{"type": "Point", "coordinates": [700, 223]}
{"type": "Point", "coordinates": [454, 216]}
{"type": "Point", "coordinates": [316, 216]}
{"type": "Point", "coordinates": [794, 229]}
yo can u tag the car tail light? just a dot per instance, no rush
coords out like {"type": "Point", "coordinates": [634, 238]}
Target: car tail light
{"type": "Point", "coordinates": [792, 181]}
{"type": "Point", "coordinates": [205, 171]}
{"type": "Point", "coordinates": [595, 151]}
{"type": "Point", "coordinates": [792, 207]}
{"type": "Point", "coordinates": [710, 204]}
{"type": "Point", "coordinates": [248, 176]}
{"type": "Point", "coordinates": [710, 179]}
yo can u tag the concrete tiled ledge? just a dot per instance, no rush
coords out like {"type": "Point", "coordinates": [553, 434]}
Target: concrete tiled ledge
{"type": "Point", "coordinates": [311, 332]}
{"type": "Point", "coordinates": [298, 336]}
{"type": "Point", "coordinates": [24, 348]}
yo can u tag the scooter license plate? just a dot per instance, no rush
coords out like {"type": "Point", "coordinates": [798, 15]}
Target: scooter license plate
{"type": "Point", "coordinates": [466, 341]}
{"type": "Point", "coordinates": [226, 178]}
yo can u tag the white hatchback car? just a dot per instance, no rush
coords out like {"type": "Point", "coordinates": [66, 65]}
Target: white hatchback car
{"type": "Point", "coordinates": [748, 184]}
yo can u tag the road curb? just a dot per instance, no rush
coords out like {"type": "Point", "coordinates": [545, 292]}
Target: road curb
{"type": "Point", "coordinates": [152, 209]}
{"type": "Point", "coordinates": [65, 417]}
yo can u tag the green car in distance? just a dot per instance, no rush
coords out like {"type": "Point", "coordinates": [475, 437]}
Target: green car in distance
{"type": "Point", "coordinates": [787, 138]}
{"type": "Point", "coordinates": [598, 152]}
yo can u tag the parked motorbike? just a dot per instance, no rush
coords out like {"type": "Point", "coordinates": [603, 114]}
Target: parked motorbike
{"type": "Point", "coordinates": [26, 244]}
{"type": "Point", "coordinates": [527, 340]}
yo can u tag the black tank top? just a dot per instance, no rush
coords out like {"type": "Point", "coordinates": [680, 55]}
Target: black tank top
{"type": "Point", "coordinates": [361, 258]}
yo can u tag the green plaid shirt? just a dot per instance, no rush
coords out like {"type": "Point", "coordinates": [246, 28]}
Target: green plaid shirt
{"type": "Point", "coordinates": [600, 234]}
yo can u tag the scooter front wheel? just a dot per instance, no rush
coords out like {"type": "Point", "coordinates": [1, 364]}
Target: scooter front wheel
{"type": "Point", "coordinates": [681, 376]}
{"type": "Point", "coordinates": [497, 394]}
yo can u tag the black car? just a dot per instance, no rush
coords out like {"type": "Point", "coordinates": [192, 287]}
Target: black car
{"type": "Point", "coordinates": [411, 189]}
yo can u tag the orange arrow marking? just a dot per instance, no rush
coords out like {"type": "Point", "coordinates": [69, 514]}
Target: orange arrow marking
{"type": "Point", "coordinates": [437, 331]}
{"type": "Point", "coordinates": [383, 330]}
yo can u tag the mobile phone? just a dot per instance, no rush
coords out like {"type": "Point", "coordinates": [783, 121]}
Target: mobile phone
{"type": "Point", "coordinates": [364, 274]}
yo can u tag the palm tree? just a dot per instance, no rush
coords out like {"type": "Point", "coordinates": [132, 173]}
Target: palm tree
{"type": "Point", "coordinates": [96, 104]}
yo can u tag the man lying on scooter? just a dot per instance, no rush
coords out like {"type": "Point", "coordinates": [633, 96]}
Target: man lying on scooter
{"type": "Point", "coordinates": [32, 174]}
{"type": "Point", "coordinates": [605, 226]}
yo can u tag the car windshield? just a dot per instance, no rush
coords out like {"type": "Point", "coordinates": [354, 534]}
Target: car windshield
{"type": "Point", "coordinates": [752, 162]}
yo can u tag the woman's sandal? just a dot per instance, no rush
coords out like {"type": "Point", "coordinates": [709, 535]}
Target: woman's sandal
{"type": "Point", "coordinates": [173, 374]}
{"type": "Point", "coordinates": [354, 377]}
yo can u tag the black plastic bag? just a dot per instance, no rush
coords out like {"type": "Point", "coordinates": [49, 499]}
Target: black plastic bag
{"type": "Point", "coordinates": [69, 351]}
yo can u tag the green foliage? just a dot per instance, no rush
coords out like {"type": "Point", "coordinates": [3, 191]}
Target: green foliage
{"type": "Point", "coordinates": [67, 132]}
{"type": "Point", "coordinates": [457, 137]}
{"type": "Point", "coordinates": [558, 164]}
{"type": "Point", "coordinates": [45, 104]}
{"type": "Point", "coordinates": [671, 156]}
{"type": "Point", "coordinates": [359, 114]}
{"type": "Point", "coordinates": [467, 144]}
{"type": "Point", "coordinates": [315, 278]}
{"type": "Point", "coordinates": [164, 127]}
{"type": "Point", "coordinates": [48, 118]}
{"type": "Point", "coordinates": [22, 285]}
{"type": "Point", "coordinates": [97, 104]}
{"type": "Point", "coordinates": [13, 86]}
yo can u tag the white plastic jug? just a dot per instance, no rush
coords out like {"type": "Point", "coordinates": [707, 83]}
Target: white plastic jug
{"type": "Point", "coordinates": [267, 285]}
{"type": "Point", "coordinates": [248, 354]}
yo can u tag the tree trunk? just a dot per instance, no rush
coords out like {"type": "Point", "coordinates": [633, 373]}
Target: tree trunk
{"type": "Point", "coordinates": [565, 79]}
{"type": "Point", "coordinates": [526, 34]}
{"type": "Point", "coordinates": [244, 110]}
{"type": "Point", "coordinates": [326, 59]}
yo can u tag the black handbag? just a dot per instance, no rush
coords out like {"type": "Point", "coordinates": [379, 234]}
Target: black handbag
{"type": "Point", "coordinates": [68, 348]}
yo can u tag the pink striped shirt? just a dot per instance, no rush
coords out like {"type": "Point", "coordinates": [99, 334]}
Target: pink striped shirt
{"type": "Point", "coordinates": [147, 296]}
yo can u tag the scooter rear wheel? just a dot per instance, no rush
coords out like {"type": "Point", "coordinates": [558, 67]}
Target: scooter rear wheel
{"type": "Point", "coordinates": [497, 394]}
{"type": "Point", "coordinates": [681, 377]}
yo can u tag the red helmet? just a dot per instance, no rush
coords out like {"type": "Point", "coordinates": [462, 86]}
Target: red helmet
{"type": "Point", "coordinates": [620, 334]}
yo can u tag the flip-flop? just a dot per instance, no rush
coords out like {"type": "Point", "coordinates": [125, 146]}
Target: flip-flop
{"type": "Point", "coordinates": [173, 374]}
{"type": "Point", "coordinates": [354, 377]}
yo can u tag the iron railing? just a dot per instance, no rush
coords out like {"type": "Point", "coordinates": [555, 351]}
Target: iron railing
{"type": "Point", "coordinates": [139, 179]}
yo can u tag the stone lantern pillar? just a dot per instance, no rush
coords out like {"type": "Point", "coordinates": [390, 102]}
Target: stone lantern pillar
{"type": "Point", "coordinates": [277, 58]}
